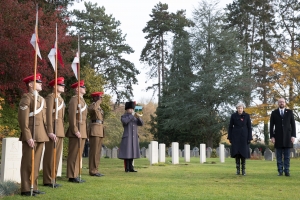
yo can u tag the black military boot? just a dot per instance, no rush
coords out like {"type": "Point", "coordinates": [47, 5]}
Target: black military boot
{"type": "Point", "coordinates": [243, 166]}
{"type": "Point", "coordinates": [237, 162]}
{"type": "Point", "coordinates": [127, 165]}
{"type": "Point", "coordinates": [131, 169]}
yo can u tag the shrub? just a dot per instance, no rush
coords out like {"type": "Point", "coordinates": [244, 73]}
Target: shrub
{"type": "Point", "coordinates": [8, 188]}
{"type": "Point", "coordinates": [214, 153]}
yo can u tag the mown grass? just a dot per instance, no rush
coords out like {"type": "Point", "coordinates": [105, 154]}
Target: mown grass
{"type": "Point", "coordinates": [183, 181]}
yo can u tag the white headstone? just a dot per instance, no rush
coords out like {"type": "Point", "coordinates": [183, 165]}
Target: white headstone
{"type": "Point", "coordinates": [149, 152]}
{"type": "Point", "coordinates": [175, 156]}
{"type": "Point", "coordinates": [222, 153]}
{"type": "Point", "coordinates": [202, 153]}
{"type": "Point", "coordinates": [187, 156]}
{"type": "Point", "coordinates": [154, 152]}
{"type": "Point", "coordinates": [162, 153]}
{"type": "Point", "coordinates": [11, 159]}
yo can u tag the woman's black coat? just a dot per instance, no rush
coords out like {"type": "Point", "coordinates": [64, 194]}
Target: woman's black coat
{"type": "Point", "coordinates": [240, 134]}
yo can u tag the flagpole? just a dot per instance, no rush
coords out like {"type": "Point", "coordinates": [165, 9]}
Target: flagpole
{"type": "Point", "coordinates": [79, 110]}
{"type": "Point", "coordinates": [35, 100]}
{"type": "Point", "coordinates": [56, 113]}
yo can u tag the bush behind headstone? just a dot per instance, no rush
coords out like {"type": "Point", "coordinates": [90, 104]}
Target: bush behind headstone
{"type": "Point", "coordinates": [8, 188]}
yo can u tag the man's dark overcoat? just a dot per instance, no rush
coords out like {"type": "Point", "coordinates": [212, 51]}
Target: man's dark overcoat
{"type": "Point", "coordinates": [240, 134]}
{"type": "Point", "coordinates": [130, 148]}
{"type": "Point", "coordinates": [284, 128]}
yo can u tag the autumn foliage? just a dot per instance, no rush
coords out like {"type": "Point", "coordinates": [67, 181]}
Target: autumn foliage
{"type": "Point", "coordinates": [17, 21]}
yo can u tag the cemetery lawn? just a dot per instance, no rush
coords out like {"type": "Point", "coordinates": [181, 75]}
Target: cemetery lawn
{"type": "Point", "coordinates": [211, 180]}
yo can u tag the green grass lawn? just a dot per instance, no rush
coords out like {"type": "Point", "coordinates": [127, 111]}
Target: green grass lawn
{"type": "Point", "coordinates": [182, 181]}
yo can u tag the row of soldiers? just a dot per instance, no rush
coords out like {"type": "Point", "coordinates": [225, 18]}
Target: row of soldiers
{"type": "Point", "coordinates": [49, 131]}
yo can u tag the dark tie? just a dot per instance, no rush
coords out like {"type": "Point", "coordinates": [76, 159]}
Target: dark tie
{"type": "Point", "coordinates": [281, 113]}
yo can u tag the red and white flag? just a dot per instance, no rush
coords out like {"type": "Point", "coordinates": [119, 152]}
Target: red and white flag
{"type": "Point", "coordinates": [52, 55]}
{"type": "Point", "coordinates": [75, 65]}
{"type": "Point", "coordinates": [36, 48]}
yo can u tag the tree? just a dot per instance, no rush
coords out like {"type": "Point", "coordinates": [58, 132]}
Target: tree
{"type": "Point", "coordinates": [220, 76]}
{"type": "Point", "coordinates": [262, 45]}
{"type": "Point", "coordinates": [17, 58]}
{"type": "Point", "coordinates": [178, 83]}
{"type": "Point", "coordinates": [155, 53]}
{"type": "Point", "coordinates": [103, 46]}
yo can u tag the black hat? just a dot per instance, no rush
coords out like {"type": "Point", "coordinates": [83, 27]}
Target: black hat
{"type": "Point", "coordinates": [130, 104]}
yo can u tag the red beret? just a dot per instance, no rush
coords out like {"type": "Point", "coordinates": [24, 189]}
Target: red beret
{"type": "Point", "coordinates": [75, 85]}
{"type": "Point", "coordinates": [60, 81]}
{"type": "Point", "coordinates": [31, 78]}
{"type": "Point", "coordinates": [95, 94]}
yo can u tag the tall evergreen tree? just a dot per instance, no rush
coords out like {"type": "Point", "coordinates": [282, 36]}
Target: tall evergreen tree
{"type": "Point", "coordinates": [103, 46]}
{"type": "Point", "coordinates": [219, 75]}
{"type": "Point", "coordinates": [262, 45]}
{"type": "Point", "coordinates": [155, 53]}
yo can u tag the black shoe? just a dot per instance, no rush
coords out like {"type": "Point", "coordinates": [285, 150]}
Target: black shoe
{"type": "Point", "coordinates": [132, 170]}
{"type": "Point", "coordinates": [97, 174]}
{"type": "Point", "coordinates": [55, 185]}
{"type": "Point", "coordinates": [28, 194]}
{"type": "Point", "coordinates": [81, 180]}
{"type": "Point", "coordinates": [75, 180]}
{"type": "Point", "coordinates": [38, 192]}
{"type": "Point", "coordinates": [287, 174]}
{"type": "Point", "coordinates": [279, 174]}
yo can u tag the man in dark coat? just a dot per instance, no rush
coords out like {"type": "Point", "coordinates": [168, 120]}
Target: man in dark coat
{"type": "Point", "coordinates": [283, 136]}
{"type": "Point", "coordinates": [130, 148]}
{"type": "Point", "coordinates": [240, 135]}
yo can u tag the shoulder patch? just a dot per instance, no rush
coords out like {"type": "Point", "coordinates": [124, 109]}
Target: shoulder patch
{"type": "Point", "coordinates": [23, 107]}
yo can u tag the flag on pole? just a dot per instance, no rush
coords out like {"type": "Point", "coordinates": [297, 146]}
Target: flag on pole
{"type": "Point", "coordinates": [75, 65]}
{"type": "Point", "coordinates": [52, 55]}
{"type": "Point", "coordinates": [36, 48]}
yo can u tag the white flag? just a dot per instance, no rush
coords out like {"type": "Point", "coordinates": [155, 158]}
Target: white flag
{"type": "Point", "coordinates": [74, 65]}
{"type": "Point", "coordinates": [37, 49]}
{"type": "Point", "coordinates": [51, 57]}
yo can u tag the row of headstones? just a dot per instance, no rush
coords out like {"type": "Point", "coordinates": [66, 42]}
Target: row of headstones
{"type": "Point", "coordinates": [12, 153]}
{"type": "Point", "coordinates": [157, 153]}
{"type": "Point", "coordinates": [269, 155]}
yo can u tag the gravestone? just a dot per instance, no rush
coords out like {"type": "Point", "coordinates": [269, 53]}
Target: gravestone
{"type": "Point", "coordinates": [196, 152]}
{"type": "Point", "coordinates": [292, 152]}
{"type": "Point", "coordinates": [154, 152]}
{"type": "Point", "coordinates": [202, 153]}
{"type": "Point", "coordinates": [102, 152]}
{"type": "Point", "coordinates": [187, 152]}
{"type": "Point", "coordinates": [218, 151]}
{"type": "Point", "coordinates": [143, 152]}
{"type": "Point", "coordinates": [114, 153]}
{"type": "Point", "coordinates": [149, 151]}
{"type": "Point", "coordinates": [108, 153]}
{"type": "Point", "coordinates": [162, 152]}
{"type": "Point", "coordinates": [222, 153]}
{"type": "Point", "coordinates": [11, 159]}
{"type": "Point", "coordinates": [179, 153]}
{"type": "Point", "coordinates": [208, 152]}
{"type": "Point", "coordinates": [175, 156]}
{"type": "Point", "coordinates": [170, 151]}
{"type": "Point", "coordinates": [227, 152]}
{"type": "Point", "coordinates": [268, 154]}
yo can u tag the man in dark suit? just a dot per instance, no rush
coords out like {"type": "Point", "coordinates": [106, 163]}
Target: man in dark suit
{"type": "Point", "coordinates": [283, 136]}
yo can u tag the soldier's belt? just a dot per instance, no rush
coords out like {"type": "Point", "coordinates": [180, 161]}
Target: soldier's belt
{"type": "Point", "coordinates": [97, 121]}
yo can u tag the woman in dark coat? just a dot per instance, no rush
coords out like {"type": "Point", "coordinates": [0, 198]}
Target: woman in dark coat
{"type": "Point", "coordinates": [130, 148]}
{"type": "Point", "coordinates": [240, 135]}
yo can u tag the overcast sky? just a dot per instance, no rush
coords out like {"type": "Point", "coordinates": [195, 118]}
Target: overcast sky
{"type": "Point", "coordinates": [133, 15]}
